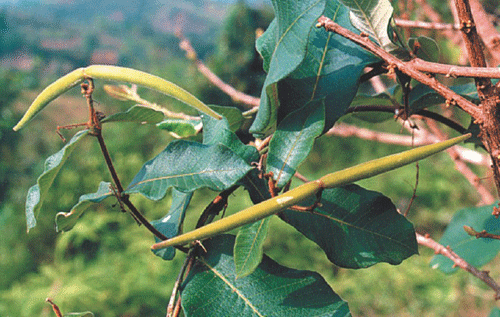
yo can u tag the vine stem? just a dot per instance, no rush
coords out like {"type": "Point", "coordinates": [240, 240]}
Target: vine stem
{"type": "Point", "coordinates": [406, 68]}
{"type": "Point", "coordinates": [484, 276]}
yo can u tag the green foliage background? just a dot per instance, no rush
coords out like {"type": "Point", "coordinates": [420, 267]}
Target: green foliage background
{"type": "Point", "coordinates": [104, 265]}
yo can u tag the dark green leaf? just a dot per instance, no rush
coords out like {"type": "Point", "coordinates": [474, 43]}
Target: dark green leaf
{"type": "Point", "coordinates": [329, 70]}
{"type": "Point", "coordinates": [476, 252]}
{"type": "Point", "coordinates": [293, 140]}
{"type": "Point", "coordinates": [356, 227]}
{"type": "Point", "coordinates": [283, 47]}
{"type": "Point", "coordinates": [426, 48]}
{"type": "Point", "coordinates": [170, 225]}
{"type": "Point", "coordinates": [256, 186]}
{"type": "Point", "coordinates": [136, 113]}
{"type": "Point", "coordinates": [187, 166]}
{"type": "Point", "coordinates": [38, 192]}
{"type": "Point", "coordinates": [65, 221]}
{"type": "Point", "coordinates": [213, 289]}
{"type": "Point", "coordinates": [180, 128]}
{"type": "Point", "coordinates": [219, 132]}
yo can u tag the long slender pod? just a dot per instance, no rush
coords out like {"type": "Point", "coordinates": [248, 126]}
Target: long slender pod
{"type": "Point", "coordinates": [114, 73]}
{"type": "Point", "coordinates": [294, 196]}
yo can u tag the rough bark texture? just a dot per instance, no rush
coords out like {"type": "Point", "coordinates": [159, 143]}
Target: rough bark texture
{"type": "Point", "coordinates": [489, 121]}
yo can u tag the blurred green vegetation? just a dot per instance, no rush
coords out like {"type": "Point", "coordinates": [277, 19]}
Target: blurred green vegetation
{"type": "Point", "coordinates": [104, 264]}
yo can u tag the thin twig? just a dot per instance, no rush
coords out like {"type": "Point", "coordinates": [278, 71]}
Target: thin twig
{"type": "Point", "coordinates": [188, 262]}
{"type": "Point", "coordinates": [453, 70]}
{"type": "Point", "coordinates": [426, 25]}
{"type": "Point", "coordinates": [95, 130]}
{"type": "Point", "coordinates": [392, 61]}
{"type": "Point", "coordinates": [482, 234]}
{"type": "Point", "coordinates": [346, 130]}
{"type": "Point", "coordinates": [486, 197]}
{"type": "Point", "coordinates": [459, 262]}
{"type": "Point", "coordinates": [236, 95]}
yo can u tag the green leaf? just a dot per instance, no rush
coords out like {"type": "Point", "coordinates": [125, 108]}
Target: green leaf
{"type": "Point", "coordinates": [248, 250]}
{"type": "Point", "coordinates": [213, 289]}
{"type": "Point", "coordinates": [136, 113]}
{"type": "Point", "coordinates": [372, 17]}
{"type": "Point", "coordinates": [329, 70]}
{"type": "Point", "coordinates": [37, 193]}
{"type": "Point", "coordinates": [170, 225]}
{"type": "Point", "coordinates": [65, 221]}
{"type": "Point", "coordinates": [187, 166]}
{"type": "Point", "coordinates": [476, 252]}
{"type": "Point", "coordinates": [283, 47]}
{"type": "Point", "coordinates": [219, 132]}
{"type": "Point", "coordinates": [180, 128]}
{"type": "Point", "coordinates": [426, 48]}
{"type": "Point", "coordinates": [293, 140]}
{"type": "Point", "coordinates": [356, 228]}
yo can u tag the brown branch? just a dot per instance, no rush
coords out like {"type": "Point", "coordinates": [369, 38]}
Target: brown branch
{"type": "Point", "coordinates": [454, 71]}
{"type": "Point", "coordinates": [405, 68]}
{"type": "Point", "coordinates": [459, 262]}
{"type": "Point", "coordinates": [236, 95]}
{"type": "Point", "coordinates": [489, 121]}
{"type": "Point", "coordinates": [487, 32]}
{"type": "Point", "coordinates": [426, 25]}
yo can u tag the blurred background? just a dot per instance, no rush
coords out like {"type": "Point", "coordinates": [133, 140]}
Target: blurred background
{"type": "Point", "coordinates": [104, 264]}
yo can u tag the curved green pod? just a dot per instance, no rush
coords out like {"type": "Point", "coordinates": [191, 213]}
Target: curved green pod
{"type": "Point", "coordinates": [294, 196]}
{"type": "Point", "coordinates": [114, 73]}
